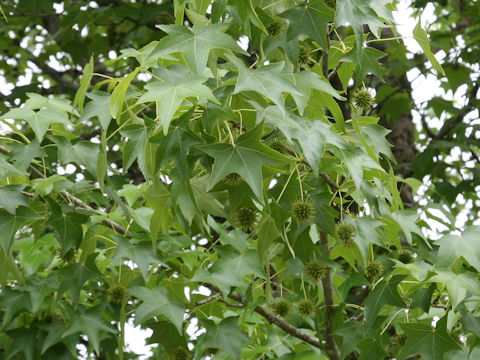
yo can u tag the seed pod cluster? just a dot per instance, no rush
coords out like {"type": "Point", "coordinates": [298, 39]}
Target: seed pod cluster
{"type": "Point", "coordinates": [373, 270]}
{"type": "Point", "coordinates": [179, 353]}
{"type": "Point", "coordinates": [277, 27]}
{"type": "Point", "coordinates": [306, 307]}
{"type": "Point", "coordinates": [232, 180]}
{"type": "Point", "coordinates": [315, 269]}
{"type": "Point", "coordinates": [117, 293]}
{"type": "Point", "coordinates": [245, 218]}
{"type": "Point", "coordinates": [363, 99]}
{"type": "Point", "coordinates": [281, 307]}
{"type": "Point", "coordinates": [345, 233]}
{"type": "Point", "coordinates": [303, 210]}
{"type": "Point", "coordinates": [400, 339]}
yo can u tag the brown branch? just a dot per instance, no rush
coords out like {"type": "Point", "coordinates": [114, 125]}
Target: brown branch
{"type": "Point", "coordinates": [107, 222]}
{"type": "Point", "coordinates": [332, 348]}
{"type": "Point", "coordinates": [274, 319]}
{"type": "Point", "coordinates": [450, 124]}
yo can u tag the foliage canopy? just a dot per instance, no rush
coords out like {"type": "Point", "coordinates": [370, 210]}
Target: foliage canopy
{"type": "Point", "coordinates": [242, 203]}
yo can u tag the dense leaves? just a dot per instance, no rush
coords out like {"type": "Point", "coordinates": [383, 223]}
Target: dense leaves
{"type": "Point", "coordinates": [239, 203]}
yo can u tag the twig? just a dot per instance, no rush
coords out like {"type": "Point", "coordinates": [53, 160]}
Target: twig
{"type": "Point", "coordinates": [274, 319]}
{"type": "Point", "coordinates": [332, 348]}
{"type": "Point", "coordinates": [107, 222]}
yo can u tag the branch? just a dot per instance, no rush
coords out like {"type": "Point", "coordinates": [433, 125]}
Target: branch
{"type": "Point", "coordinates": [274, 319]}
{"type": "Point", "coordinates": [332, 348]}
{"type": "Point", "coordinates": [107, 222]}
{"type": "Point", "coordinates": [449, 125]}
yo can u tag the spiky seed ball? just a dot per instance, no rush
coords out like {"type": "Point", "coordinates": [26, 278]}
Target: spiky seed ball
{"type": "Point", "coordinates": [304, 56]}
{"type": "Point", "coordinates": [405, 257]}
{"type": "Point", "coordinates": [345, 233]}
{"type": "Point", "coordinates": [232, 180]}
{"type": "Point", "coordinates": [373, 270]}
{"type": "Point", "coordinates": [68, 257]}
{"type": "Point", "coordinates": [245, 218]}
{"type": "Point", "coordinates": [179, 353]}
{"type": "Point", "coordinates": [281, 307]}
{"type": "Point", "coordinates": [117, 293]}
{"type": "Point", "coordinates": [306, 307]}
{"type": "Point", "coordinates": [303, 211]}
{"type": "Point", "coordinates": [363, 99]}
{"type": "Point", "coordinates": [315, 269]}
{"type": "Point", "coordinates": [277, 28]}
{"type": "Point", "coordinates": [400, 339]}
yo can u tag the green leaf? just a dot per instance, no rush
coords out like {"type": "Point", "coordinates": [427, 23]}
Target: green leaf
{"type": "Point", "coordinates": [385, 293]}
{"type": "Point", "coordinates": [140, 253]}
{"type": "Point", "coordinates": [226, 336]}
{"type": "Point", "coordinates": [312, 136]}
{"type": "Point", "coordinates": [39, 121]}
{"type": "Point", "coordinates": [466, 245]}
{"type": "Point", "coordinates": [169, 94]}
{"type": "Point", "coordinates": [84, 83]}
{"type": "Point", "coordinates": [10, 223]}
{"type": "Point", "coordinates": [366, 61]}
{"type": "Point", "coordinates": [357, 13]}
{"type": "Point", "coordinates": [245, 158]}
{"type": "Point", "coordinates": [91, 324]}
{"type": "Point", "coordinates": [224, 280]}
{"type": "Point", "coordinates": [24, 154]}
{"type": "Point", "coordinates": [68, 223]}
{"type": "Point", "coordinates": [239, 264]}
{"type": "Point", "coordinates": [267, 80]}
{"type": "Point", "coordinates": [431, 343]}
{"type": "Point", "coordinates": [244, 10]}
{"type": "Point", "coordinates": [156, 302]}
{"type": "Point", "coordinates": [75, 275]}
{"type": "Point", "coordinates": [422, 38]}
{"type": "Point", "coordinates": [371, 349]}
{"type": "Point", "coordinates": [457, 284]}
{"type": "Point", "coordinates": [177, 143]}
{"type": "Point", "coordinates": [11, 196]}
{"type": "Point", "coordinates": [84, 153]}
{"type": "Point", "coordinates": [310, 19]}
{"type": "Point", "coordinates": [406, 221]}
{"type": "Point", "coordinates": [196, 45]}
{"type": "Point", "coordinates": [135, 147]}
{"type": "Point", "coordinates": [118, 94]}
{"type": "Point", "coordinates": [96, 107]}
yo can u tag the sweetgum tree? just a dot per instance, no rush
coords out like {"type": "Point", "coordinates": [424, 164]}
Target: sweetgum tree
{"type": "Point", "coordinates": [248, 195]}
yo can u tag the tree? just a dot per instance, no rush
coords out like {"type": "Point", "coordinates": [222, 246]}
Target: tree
{"type": "Point", "coordinates": [176, 179]}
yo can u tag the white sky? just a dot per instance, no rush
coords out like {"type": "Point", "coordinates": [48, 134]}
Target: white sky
{"type": "Point", "coordinates": [424, 88]}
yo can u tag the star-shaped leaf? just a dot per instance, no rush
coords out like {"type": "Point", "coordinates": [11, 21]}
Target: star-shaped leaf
{"type": "Point", "coordinates": [96, 107]}
{"type": "Point", "coordinates": [177, 143]}
{"type": "Point", "coordinates": [466, 245]}
{"type": "Point", "coordinates": [84, 153]}
{"type": "Point", "coordinates": [68, 223]}
{"type": "Point", "coordinates": [244, 158]}
{"type": "Point", "coordinates": [195, 45]}
{"type": "Point", "coordinates": [140, 253]}
{"type": "Point", "coordinates": [240, 264]}
{"type": "Point", "coordinates": [306, 82]}
{"type": "Point", "coordinates": [91, 324]}
{"type": "Point", "coordinates": [226, 336]}
{"type": "Point", "coordinates": [169, 94]}
{"type": "Point", "coordinates": [312, 136]}
{"type": "Point", "coordinates": [357, 13]}
{"type": "Point", "coordinates": [385, 293]}
{"type": "Point", "coordinates": [10, 223]}
{"type": "Point", "coordinates": [457, 284]}
{"type": "Point", "coordinates": [39, 121]}
{"type": "Point", "coordinates": [266, 80]}
{"type": "Point", "coordinates": [11, 196]}
{"type": "Point", "coordinates": [366, 61]}
{"type": "Point", "coordinates": [244, 10]}
{"type": "Point", "coordinates": [431, 343]}
{"type": "Point", "coordinates": [75, 275]}
{"type": "Point", "coordinates": [24, 153]}
{"type": "Point", "coordinates": [310, 19]}
{"type": "Point", "coordinates": [156, 302]}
